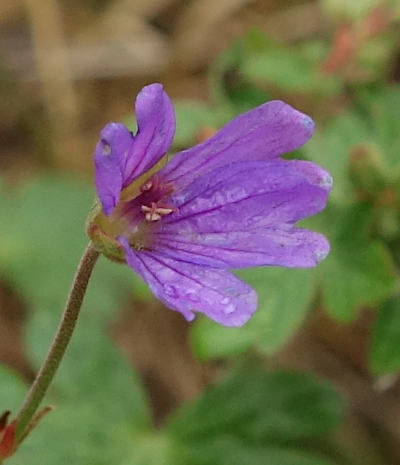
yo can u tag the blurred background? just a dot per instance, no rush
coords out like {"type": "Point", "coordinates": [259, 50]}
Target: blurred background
{"type": "Point", "coordinates": [312, 379]}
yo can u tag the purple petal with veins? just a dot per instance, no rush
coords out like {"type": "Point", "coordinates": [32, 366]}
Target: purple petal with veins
{"type": "Point", "coordinates": [189, 288]}
{"type": "Point", "coordinates": [120, 157]}
{"type": "Point", "coordinates": [266, 132]}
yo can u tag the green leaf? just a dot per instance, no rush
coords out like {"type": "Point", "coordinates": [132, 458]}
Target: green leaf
{"type": "Point", "coordinates": [46, 228]}
{"type": "Point", "coordinates": [101, 411]}
{"type": "Point", "coordinates": [260, 407]}
{"type": "Point", "coordinates": [12, 390]}
{"type": "Point", "coordinates": [151, 448]}
{"type": "Point", "coordinates": [382, 110]}
{"type": "Point", "coordinates": [44, 235]}
{"type": "Point", "coordinates": [229, 87]}
{"type": "Point", "coordinates": [101, 405]}
{"type": "Point", "coordinates": [290, 69]}
{"type": "Point", "coordinates": [357, 277]}
{"type": "Point", "coordinates": [227, 451]}
{"type": "Point", "coordinates": [80, 435]}
{"type": "Point", "coordinates": [331, 146]}
{"type": "Point", "coordinates": [343, 10]}
{"type": "Point", "coordinates": [285, 296]}
{"type": "Point", "coordinates": [192, 116]}
{"type": "Point", "coordinates": [358, 271]}
{"type": "Point", "coordinates": [384, 357]}
{"type": "Point", "coordinates": [92, 357]}
{"type": "Point", "coordinates": [108, 290]}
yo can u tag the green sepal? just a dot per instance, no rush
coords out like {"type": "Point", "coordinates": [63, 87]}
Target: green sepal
{"type": "Point", "coordinates": [103, 243]}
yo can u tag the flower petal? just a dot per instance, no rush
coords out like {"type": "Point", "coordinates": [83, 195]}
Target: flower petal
{"type": "Point", "coordinates": [288, 247]}
{"type": "Point", "coordinates": [155, 117]}
{"type": "Point", "coordinates": [120, 158]}
{"type": "Point", "coordinates": [266, 132]}
{"type": "Point", "coordinates": [249, 196]}
{"type": "Point", "coordinates": [188, 288]}
{"type": "Point", "coordinates": [109, 157]}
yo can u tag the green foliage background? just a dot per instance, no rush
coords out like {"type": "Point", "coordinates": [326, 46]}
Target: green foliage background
{"type": "Point", "coordinates": [251, 414]}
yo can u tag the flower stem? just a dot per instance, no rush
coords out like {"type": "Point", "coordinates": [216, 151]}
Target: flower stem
{"type": "Point", "coordinates": [60, 342]}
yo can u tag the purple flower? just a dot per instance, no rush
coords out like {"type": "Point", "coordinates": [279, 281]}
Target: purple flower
{"type": "Point", "coordinates": [229, 202]}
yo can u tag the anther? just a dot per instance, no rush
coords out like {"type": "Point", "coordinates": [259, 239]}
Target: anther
{"type": "Point", "coordinates": [155, 213]}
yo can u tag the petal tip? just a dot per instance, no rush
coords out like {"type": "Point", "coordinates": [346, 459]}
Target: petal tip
{"type": "Point", "coordinates": [326, 181]}
{"type": "Point", "coordinates": [151, 89]}
{"type": "Point", "coordinates": [188, 315]}
{"type": "Point", "coordinates": [236, 315]}
{"type": "Point", "coordinates": [322, 252]}
{"type": "Point", "coordinates": [308, 123]}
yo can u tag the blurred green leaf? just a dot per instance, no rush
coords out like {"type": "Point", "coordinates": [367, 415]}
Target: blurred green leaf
{"type": "Point", "coordinates": [259, 407]}
{"type": "Point", "coordinates": [80, 435]}
{"type": "Point", "coordinates": [226, 451]}
{"type": "Point", "coordinates": [342, 10]}
{"type": "Point", "coordinates": [246, 73]}
{"type": "Point", "coordinates": [12, 390]}
{"type": "Point", "coordinates": [357, 277]}
{"type": "Point", "coordinates": [375, 55]}
{"type": "Point", "coordinates": [384, 355]}
{"type": "Point", "coordinates": [381, 108]}
{"type": "Point", "coordinates": [290, 69]}
{"type": "Point", "coordinates": [93, 364]}
{"type": "Point", "coordinates": [46, 228]}
{"type": "Point", "coordinates": [229, 87]}
{"type": "Point", "coordinates": [101, 405]}
{"type": "Point", "coordinates": [151, 448]}
{"type": "Point", "coordinates": [371, 124]}
{"type": "Point", "coordinates": [108, 290]}
{"type": "Point", "coordinates": [285, 296]}
{"type": "Point", "coordinates": [101, 409]}
{"type": "Point", "coordinates": [192, 116]}
{"type": "Point", "coordinates": [331, 146]}
{"type": "Point", "coordinates": [359, 271]}
{"type": "Point", "coordinates": [9, 244]}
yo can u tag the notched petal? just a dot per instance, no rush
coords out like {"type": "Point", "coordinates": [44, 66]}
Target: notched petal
{"type": "Point", "coordinates": [155, 117]}
{"type": "Point", "coordinates": [120, 157]}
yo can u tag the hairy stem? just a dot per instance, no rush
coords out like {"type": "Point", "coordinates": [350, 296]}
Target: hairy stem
{"type": "Point", "coordinates": [60, 342]}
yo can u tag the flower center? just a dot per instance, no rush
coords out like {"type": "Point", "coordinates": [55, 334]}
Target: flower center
{"type": "Point", "coordinates": [151, 198]}
{"type": "Point", "coordinates": [135, 217]}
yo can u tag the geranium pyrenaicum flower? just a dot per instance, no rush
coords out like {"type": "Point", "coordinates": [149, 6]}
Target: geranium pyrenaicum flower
{"type": "Point", "coordinates": [229, 202]}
